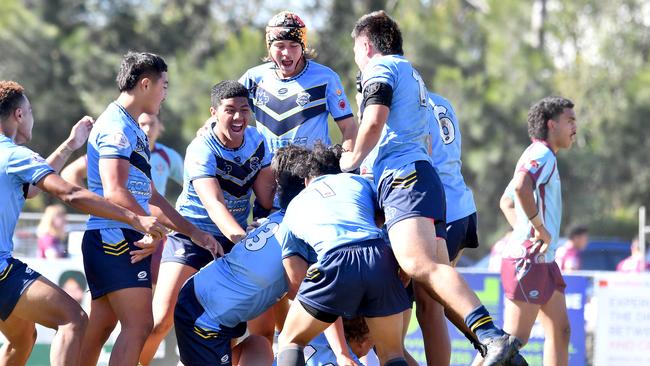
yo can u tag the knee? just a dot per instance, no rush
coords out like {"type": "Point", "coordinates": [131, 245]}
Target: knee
{"type": "Point", "coordinates": [75, 319]}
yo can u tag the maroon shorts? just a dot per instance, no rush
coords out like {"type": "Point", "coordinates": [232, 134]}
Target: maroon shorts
{"type": "Point", "coordinates": [527, 277]}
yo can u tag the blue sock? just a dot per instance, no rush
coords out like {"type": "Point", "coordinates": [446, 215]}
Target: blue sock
{"type": "Point", "coordinates": [480, 322]}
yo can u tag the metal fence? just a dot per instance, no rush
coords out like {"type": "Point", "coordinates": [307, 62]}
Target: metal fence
{"type": "Point", "coordinates": [25, 237]}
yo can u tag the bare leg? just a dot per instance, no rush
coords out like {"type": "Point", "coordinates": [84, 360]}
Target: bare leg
{"type": "Point", "coordinates": [132, 306]}
{"type": "Point", "coordinates": [21, 336]}
{"type": "Point", "coordinates": [253, 351]}
{"type": "Point", "coordinates": [386, 331]}
{"type": "Point", "coordinates": [407, 319]}
{"type": "Point", "coordinates": [431, 317]}
{"type": "Point", "coordinates": [416, 250]}
{"type": "Point", "coordinates": [263, 325]}
{"type": "Point", "coordinates": [171, 278]}
{"type": "Point", "coordinates": [557, 330]}
{"type": "Point", "coordinates": [46, 304]}
{"type": "Point", "coordinates": [101, 324]}
{"type": "Point", "coordinates": [299, 329]}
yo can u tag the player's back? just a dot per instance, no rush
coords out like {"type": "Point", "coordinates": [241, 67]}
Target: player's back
{"type": "Point", "coordinates": [446, 158]}
{"type": "Point", "coordinates": [117, 135]}
{"type": "Point", "coordinates": [19, 167]}
{"type": "Point", "coordinates": [406, 132]}
{"type": "Point", "coordinates": [334, 211]}
{"type": "Point", "coordinates": [249, 279]}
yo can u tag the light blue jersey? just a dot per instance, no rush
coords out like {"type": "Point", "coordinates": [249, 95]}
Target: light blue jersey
{"type": "Point", "coordinates": [319, 353]}
{"type": "Point", "coordinates": [245, 282]}
{"type": "Point", "coordinates": [332, 212]}
{"type": "Point", "coordinates": [404, 138]}
{"type": "Point", "coordinates": [116, 135]}
{"type": "Point", "coordinates": [445, 154]}
{"type": "Point", "coordinates": [235, 169]}
{"type": "Point", "coordinates": [19, 167]}
{"type": "Point", "coordinates": [540, 163]}
{"type": "Point", "coordinates": [166, 164]}
{"type": "Point", "coordinates": [295, 110]}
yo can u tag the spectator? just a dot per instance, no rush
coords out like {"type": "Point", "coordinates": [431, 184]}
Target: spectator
{"type": "Point", "coordinates": [74, 284]}
{"type": "Point", "coordinates": [635, 262]}
{"type": "Point", "coordinates": [568, 255]}
{"type": "Point", "coordinates": [51, 232]}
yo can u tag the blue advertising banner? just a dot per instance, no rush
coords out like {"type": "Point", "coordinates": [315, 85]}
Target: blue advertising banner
{"type": "Point", "coordinates": [488, 288]}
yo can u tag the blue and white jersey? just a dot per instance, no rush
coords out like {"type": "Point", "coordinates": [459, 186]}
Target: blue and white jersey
{"type": "Point", "coordinates": [540, 163]}
{"type": "Point", "coordinates": [295, 110]}
{"type": "Point", "coordinates": [19, 167]}
{"type": "Point", "coordinates": [116, 135]}
{"type": "Point", "coordinates": [235, 169]}
{"type": "Point", "coordinates": [445, 154]}
{"type": "Point", "coordinates": [404, 138]}
{"type": "Point", "coordinates": [332, 212]}
{"type": "Point", "coordinates": [245, 282]}
{"type": "Point", "coordinates": [319, 353]}
{"type": "Point", "coordinates": [166, 164]}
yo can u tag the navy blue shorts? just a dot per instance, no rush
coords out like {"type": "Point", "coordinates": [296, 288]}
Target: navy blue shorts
{"type": "Point", "coordinates": [107, 261]}
{"type": "Point", "coordinates": [355, 280]}
{"type": "Point", "coordinates": [14, 280]}
{"type": "Point", "coordinates": [181, 249]}
{"type": "Point", "coordinates": [199, 346]}
{"type": "Point", "coordinates": [414, 190]}
{"type": "Point", "coordinates": [462, 233]}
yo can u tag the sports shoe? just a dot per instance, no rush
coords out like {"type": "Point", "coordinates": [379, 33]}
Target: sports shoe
{"type": "Point", "coordinates": [502, 351]}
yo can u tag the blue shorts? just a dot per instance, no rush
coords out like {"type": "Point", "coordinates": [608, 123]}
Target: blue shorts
{"type": "Point", "coordinates": [107, 261]}
{"type": "Point", "coordinates": [199, 346]}
{"type": "Point", "coordinates": [414, 190]}
{"type": "Point", "coordinates": [181, 249]}
{"type": "Point", "coordinates": [14, 280]}
{"type": "Point", "coordinates": [359, 279]}
{"type": "Point", "coordinates": [462, 233]}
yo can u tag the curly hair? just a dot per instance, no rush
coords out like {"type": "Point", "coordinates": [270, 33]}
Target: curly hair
{"type": "Point", "coordinates": [136, 65]}
{"type": "Point", "coordinates": [324, 160]}
{"type": "Point", "coordinates": [12, 95]}
{"type": "Point", "coordinates": [290, 168]}
{"type": "Point", "coordinates": [382, 31]}
{"type": "Point", "coordinates": [544, 110]}
{"type": "Point", "coordinates": [355, 329]}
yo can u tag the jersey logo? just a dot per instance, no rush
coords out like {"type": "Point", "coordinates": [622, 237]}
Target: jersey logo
{"type": "Point", "coordinates": [36, 158]}
{"type": "Point", "coordinates": [342, 104]}
{"type": "Point", "coordinates": [281, 114]}
{"type": "Point", "coordinates": [303, 98]}
{"type": "Point", "coordinates": [119, 140]}
{"type": "Point", "coordinates": [282, 91]}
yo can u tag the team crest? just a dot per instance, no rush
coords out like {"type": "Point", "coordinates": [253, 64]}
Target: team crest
{"type": "Point", "coordinates": [255, 163]}
{"type": "Point", "coordinates": [303, 98]}
{"type": "Point", "coordinates": [140, 145]}
{"type": "Point", "coordinates": [261, 98]}
{"type": "Point", "coordinates": [447, 132]}
{"type": "Point", "coordinates": [120, 140]}
{"type": "Point", "coordinates": [342, 104]}
{"type": "Point", "coordinates": [339, 92]}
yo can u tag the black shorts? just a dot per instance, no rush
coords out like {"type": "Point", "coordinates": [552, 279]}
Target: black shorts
{"type": "Point", "coordinates": [414, 190]}
{"type": "Point", "coordinates": [107, 261]}
{"type": "Point", "coordinates": [181, 249]}
{"type": "Point", "coordinates": [461, 234]}
{"type": "Point", "coordinates": [14, 280]}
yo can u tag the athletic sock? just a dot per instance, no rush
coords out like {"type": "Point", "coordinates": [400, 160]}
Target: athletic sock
{"type": "Point", "coordinates": [480, 322]}
{"type": "Point", "coordinates": [400, 361]}
{"type": "Point", "coordinates": [291, 356]}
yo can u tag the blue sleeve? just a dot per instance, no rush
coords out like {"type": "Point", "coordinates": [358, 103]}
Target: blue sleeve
{"type": "Point", "coordinates": [200, 161]}
{"type": "Point", "coordinates": [114, 142]}
{"type": "Point", "coordinates": [380, 72]}
{"type": "Point", "coordinates": [337, 101]}
{"type": "Point", "coordinates": [292, 245]}
{"type": "Point", "coordinates": [268, 155]}
{"type": "Point", "coordinates": [27, 166]}
{"type": "Point", "coordinates": [539, 164]}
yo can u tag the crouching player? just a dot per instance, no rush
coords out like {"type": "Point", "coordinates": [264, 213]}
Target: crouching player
{"type": "Point", "coordinates": [356, 272]}
{"type": "Point", "coordinates": [215, 303]}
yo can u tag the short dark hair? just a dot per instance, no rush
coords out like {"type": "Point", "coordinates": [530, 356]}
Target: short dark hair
{"type": "Point", "coordinates": [355, 329]}
{"type": "Point", "coordinates": [12, 95]}
{"type": "Point", "coordinates": [324, 159]}
{"type": "Point", "coordinates": [382, 31]}
{"type": "Point", "coordinates": [225, 90]}
{"type": "Point", "coordinates": [76, 276]}
{"type": "Point", "coordinates": [577, 230]}
{"type": "Point", "coordinates": [136, 65]}
{"type": "Point", "coordinates": [544, 110]}
{"type": "Point", "coordinates": [290, 168]}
